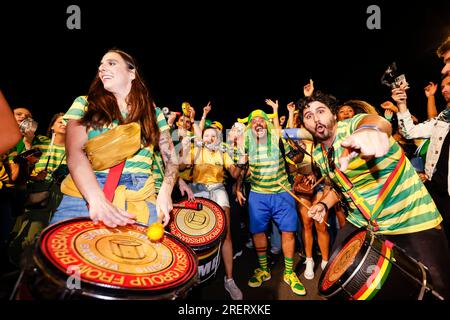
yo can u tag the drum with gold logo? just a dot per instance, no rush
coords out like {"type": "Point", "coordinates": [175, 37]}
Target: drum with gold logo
{"type": "Point", "coordinates": [76, 258]}
{"type": "Point", "coordinates": [203, 229]}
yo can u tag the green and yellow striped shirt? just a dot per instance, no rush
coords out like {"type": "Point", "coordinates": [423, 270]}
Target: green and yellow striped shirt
{"type": "Point", "coordinates": [267, 168]}
{"type": "Point", "coordinates": [410, 207]}
{"type": "Point", "coordinates": [145, 161]}
{"type": "Point", "coordinates": [55, 155]}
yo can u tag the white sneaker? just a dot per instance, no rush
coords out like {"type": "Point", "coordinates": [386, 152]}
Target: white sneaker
{"type": "Point", "coordinates": [237, 254]}
{"type": "Point", "coordinates": [274, 250]}
{"type": "Point", "coordinates": [323, 264]}
{"type": "Point", "coordinates": [309, 271]}
{"type": "Point", "coordinates": [233, 290]}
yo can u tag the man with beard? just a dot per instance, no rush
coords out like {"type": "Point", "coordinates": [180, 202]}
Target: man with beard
{"type": "Point", "coordinates": [359, 155]}
{"type": "Point", "coordinates": [267, 200]}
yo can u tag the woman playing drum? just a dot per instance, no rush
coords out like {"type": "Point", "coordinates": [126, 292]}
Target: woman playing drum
{"type": "Point", "coordinates": [117, 96]}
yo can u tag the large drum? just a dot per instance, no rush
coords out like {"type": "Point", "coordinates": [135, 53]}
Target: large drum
{"type": "Point", "coordinates": [365, 267]}
{"type": "Point", "coordinates": [77, 259]}
{"type": "Point", "coordinates": [203, 230]}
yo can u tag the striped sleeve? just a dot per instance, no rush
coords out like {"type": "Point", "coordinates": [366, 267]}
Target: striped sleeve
{"type": "Point", "coordinates": [161, 120]}
{"type": "Point", "coordinates": [77, 110]}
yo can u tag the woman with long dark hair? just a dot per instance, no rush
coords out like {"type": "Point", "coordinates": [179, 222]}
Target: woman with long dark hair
{"type": "Point", "coordinates": [117, 96]}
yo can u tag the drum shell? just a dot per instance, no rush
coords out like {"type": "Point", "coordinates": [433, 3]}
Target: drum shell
{"type": "Point", "coordinates": [208, 253]}
{"type": "Point", "coordinates": [44, 281]}
{"type": "Point", "coordinates": [403, 279]}
{"type": "Point", "coordinates": [208, 262]}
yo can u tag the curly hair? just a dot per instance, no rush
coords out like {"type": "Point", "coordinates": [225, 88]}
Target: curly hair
{"type": "Point", "coordinates": [359, 106]}
{"type": "Point", "coordinates": [327, 99]}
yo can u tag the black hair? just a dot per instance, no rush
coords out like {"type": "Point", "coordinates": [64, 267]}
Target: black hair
{"type": "Point", "coordinates": [327, 99]}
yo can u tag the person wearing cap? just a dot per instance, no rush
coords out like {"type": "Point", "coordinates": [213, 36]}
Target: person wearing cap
{"type": "Point", "coordinates": [267, 199]}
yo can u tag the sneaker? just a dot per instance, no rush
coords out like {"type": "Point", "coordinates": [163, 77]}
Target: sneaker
{"type": "Point", "coordinates": [309, 271]}
{"type": "Point", "coordinates": [292, 280]}
{"type": "Point", "coordinates": [233, 290]}
{"type": "Point", "coordinates": [258, 278]}
{"type": "Point", "coordinates": [323, 264]}
{"type": "Point", "coordinates": [275, 250]}
{"type": "Point", "coordinates": [237, 254]}
{"type": "Point", "coordinates": [249, 244]}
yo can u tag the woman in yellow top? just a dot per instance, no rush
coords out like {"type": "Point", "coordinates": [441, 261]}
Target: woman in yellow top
{"type": "Point", "coordinates": [210, 160]}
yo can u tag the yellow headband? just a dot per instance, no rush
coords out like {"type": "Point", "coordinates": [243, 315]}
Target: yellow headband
{"type": "Point", "coordinates": [257, 113]}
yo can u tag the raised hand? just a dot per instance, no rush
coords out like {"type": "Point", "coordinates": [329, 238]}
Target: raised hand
{"type": "Point", "coordinates": [430, 89]}
{"type": "Point", "coordinates": [207, 109]}
{"type": "Point", "coordinates": [399, 95]}
{"type": "Point", "coordinates": [291, 107]}
{"type": "Point", "coordinates": [309, 88]}
{"type": "Point", "coordinates": [272, 104]}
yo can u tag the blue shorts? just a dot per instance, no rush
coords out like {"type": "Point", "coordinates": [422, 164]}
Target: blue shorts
{"type": "Point", "coordinates": [73, 207]}
{"type": "Point", "coordinates": [280, 207]}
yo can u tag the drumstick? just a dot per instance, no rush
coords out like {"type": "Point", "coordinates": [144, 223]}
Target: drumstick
{"type": "Point", "coordinates": [298, 199]}
{"type": "Point", "coordinates": [189, 205]}
{"type": "Point", "coordinates": [318, 181]}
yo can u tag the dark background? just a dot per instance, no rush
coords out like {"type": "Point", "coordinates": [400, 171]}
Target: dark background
{"type": "Point", "coordinates": [233, 53]}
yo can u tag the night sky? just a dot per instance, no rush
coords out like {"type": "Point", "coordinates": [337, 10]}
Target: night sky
{"type": "Point", "coordinates": [232, 53]}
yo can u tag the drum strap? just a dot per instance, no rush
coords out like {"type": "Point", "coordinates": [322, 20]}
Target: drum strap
{"type": "Point", "coordinates": [385, 192]}
{"type": "Point", "coordinates": [112, 180]}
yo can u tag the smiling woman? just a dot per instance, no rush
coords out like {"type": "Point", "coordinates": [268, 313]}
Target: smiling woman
{"type": "Point", "coordinates": [118, 102]}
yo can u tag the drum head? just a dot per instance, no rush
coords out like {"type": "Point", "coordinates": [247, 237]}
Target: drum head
{"type": "Point", "coordinates": [116, 263]}
{"type": "Point", "coordinates": [340, 262]}
{"type": "Point", "coordinates": [199, 229]}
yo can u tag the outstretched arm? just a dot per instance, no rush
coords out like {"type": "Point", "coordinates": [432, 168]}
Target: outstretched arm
{"type": "Point", "coordinates": [370, 139]}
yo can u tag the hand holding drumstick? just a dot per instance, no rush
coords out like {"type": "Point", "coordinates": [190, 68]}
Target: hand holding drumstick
{"type": "Point", "coordinates": [315, 212]}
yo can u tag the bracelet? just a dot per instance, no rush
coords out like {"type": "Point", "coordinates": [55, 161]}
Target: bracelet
{"type": "Point", "coordinates": [367, 126]}
{"type": "Point", "coordinates": [324, 205]}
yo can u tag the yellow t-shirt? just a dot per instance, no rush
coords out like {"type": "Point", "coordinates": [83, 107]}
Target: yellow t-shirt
{"type": "Point", "coordinates": [209, 165]}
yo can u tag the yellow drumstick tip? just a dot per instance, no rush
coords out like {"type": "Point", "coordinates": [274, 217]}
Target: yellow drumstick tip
{"type": "Point", "coordinates": [155, 231]}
